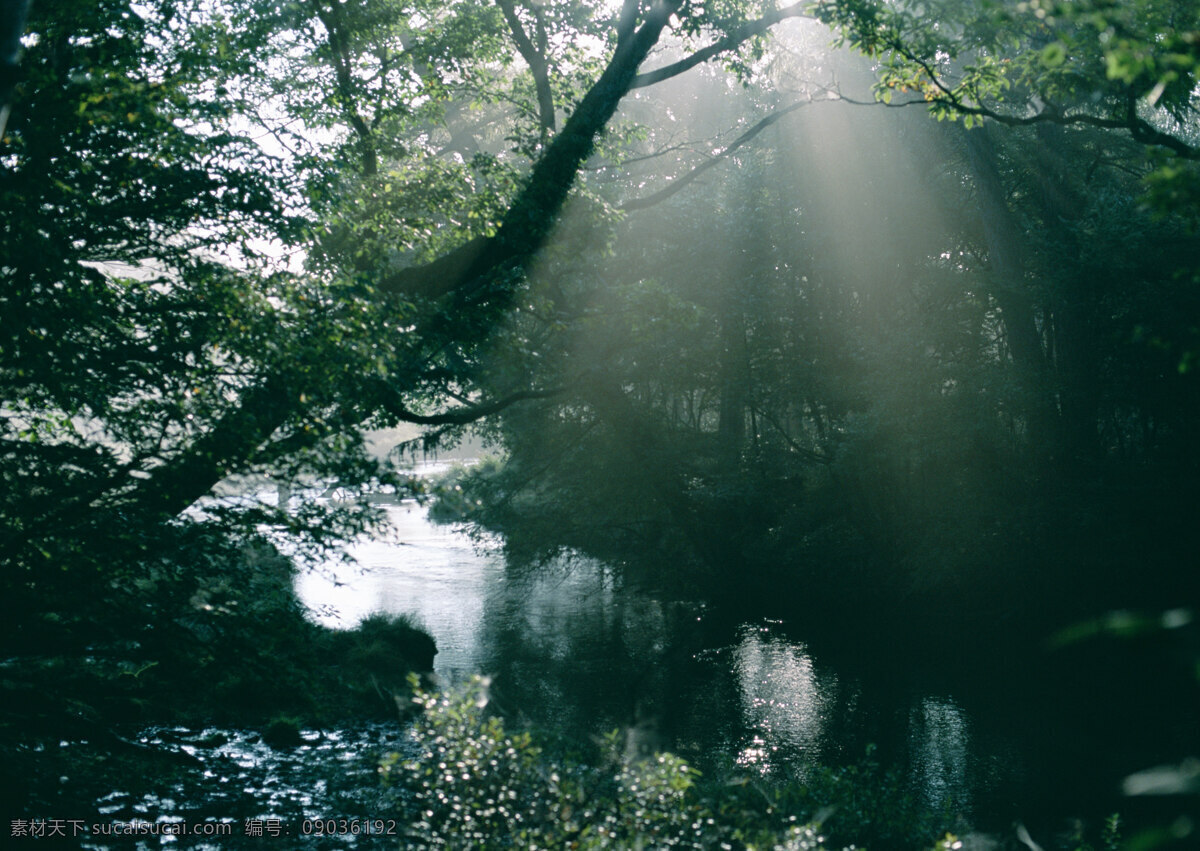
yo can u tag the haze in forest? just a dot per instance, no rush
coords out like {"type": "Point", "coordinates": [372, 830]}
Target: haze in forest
{"type": "Point", "coordinates": [825, 378]}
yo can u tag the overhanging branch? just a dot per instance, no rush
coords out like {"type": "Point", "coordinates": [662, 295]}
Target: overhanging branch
{"type": "Point", "coordinates": [1141, 130]}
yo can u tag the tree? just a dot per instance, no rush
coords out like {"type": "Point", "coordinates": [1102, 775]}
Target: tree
{"type": "Point", "coordinates": [153, 347]}
{"type": "Point", "coordinates": [123, 328]}
{"type": "Point", "coordinates": [1130, 68]}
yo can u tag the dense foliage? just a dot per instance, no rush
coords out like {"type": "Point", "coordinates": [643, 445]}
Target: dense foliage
{"type": "Point", "coordinates": [238, 233]}
{"type": "Point", "coordinates": [142, 320]}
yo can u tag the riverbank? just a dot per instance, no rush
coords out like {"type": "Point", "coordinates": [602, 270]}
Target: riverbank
{"type": "Point", "coordinates": [232, 646]}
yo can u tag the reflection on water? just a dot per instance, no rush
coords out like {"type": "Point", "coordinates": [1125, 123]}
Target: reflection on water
{"type": "Point", "coordinates": [940, 749]}
{"type": "Point", "coordinates": [231, 777]}
{"type": "Point", "coordinates": [574, 651]}
{"type": "Point", "coordinates": [566, 645]}
{"type": "Point", "coordinates": [783, 702]}
{"type": "Point", "coordinates": [422, 569]}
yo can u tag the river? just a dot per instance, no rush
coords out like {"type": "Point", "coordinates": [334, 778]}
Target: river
{"type": "Point", "coordinates": [988, 725]}
{"type": "Point", "coordinates": [1000, 739]}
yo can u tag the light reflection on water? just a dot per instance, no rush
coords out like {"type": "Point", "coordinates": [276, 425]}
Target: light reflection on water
{"type": "Point", "coordinates": [235, 776]}
{"type": "Point", "coordinates": [573, 650]}
{"type": "Point", "coordinates": [425, 570]}
{"type": "Point", "coordinates": [940, 744]}
{"type": "Point", "coordinates": [783, 701]}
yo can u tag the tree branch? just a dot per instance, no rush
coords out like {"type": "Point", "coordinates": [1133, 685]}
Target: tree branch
{"type": "Point", "coordinates": [819, 457]}
{"type": "Point", "coordinates": [463, 273]}
{"type": "Point", "coordinates": [536, 60]}
{"type": "Point", "coordinates": [233, 439]}
{"type": "Point", "coordinates": [469, 413]}
{"type": "Point", "coordinates": [1137, 127]}
{"type": "Point", "coordinates": [340, 59]}
{"type": "Point", "coordinates": [678, 185]}
{"type": "Point", "coordinates": [730, 42]}
{"type": "Point", "coordinates": [1141, 130]}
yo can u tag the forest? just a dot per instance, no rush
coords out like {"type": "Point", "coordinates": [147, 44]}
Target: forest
{"type": "Point", "coordinates": [877, 318]}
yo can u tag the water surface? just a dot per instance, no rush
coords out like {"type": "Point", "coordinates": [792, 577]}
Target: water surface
{"type": "Point", "coordinates": [576, 652]}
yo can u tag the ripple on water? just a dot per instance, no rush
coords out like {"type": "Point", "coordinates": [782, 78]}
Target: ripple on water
{"type": "Point", "coordinates": [232, 776]}
{"type": "Point", "coordinates": [785, 703]}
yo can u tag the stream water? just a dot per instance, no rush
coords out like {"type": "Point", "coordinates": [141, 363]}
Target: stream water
{"type": "Point", "coordinates": [1000, 738]}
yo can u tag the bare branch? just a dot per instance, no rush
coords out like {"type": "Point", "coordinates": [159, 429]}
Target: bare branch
{"type": "Point", "coordinates": [662, 152]}
{"type": "Point", "coordinates": [835, 94]}
{"type": "Point", "coordinates": [811, 455]}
